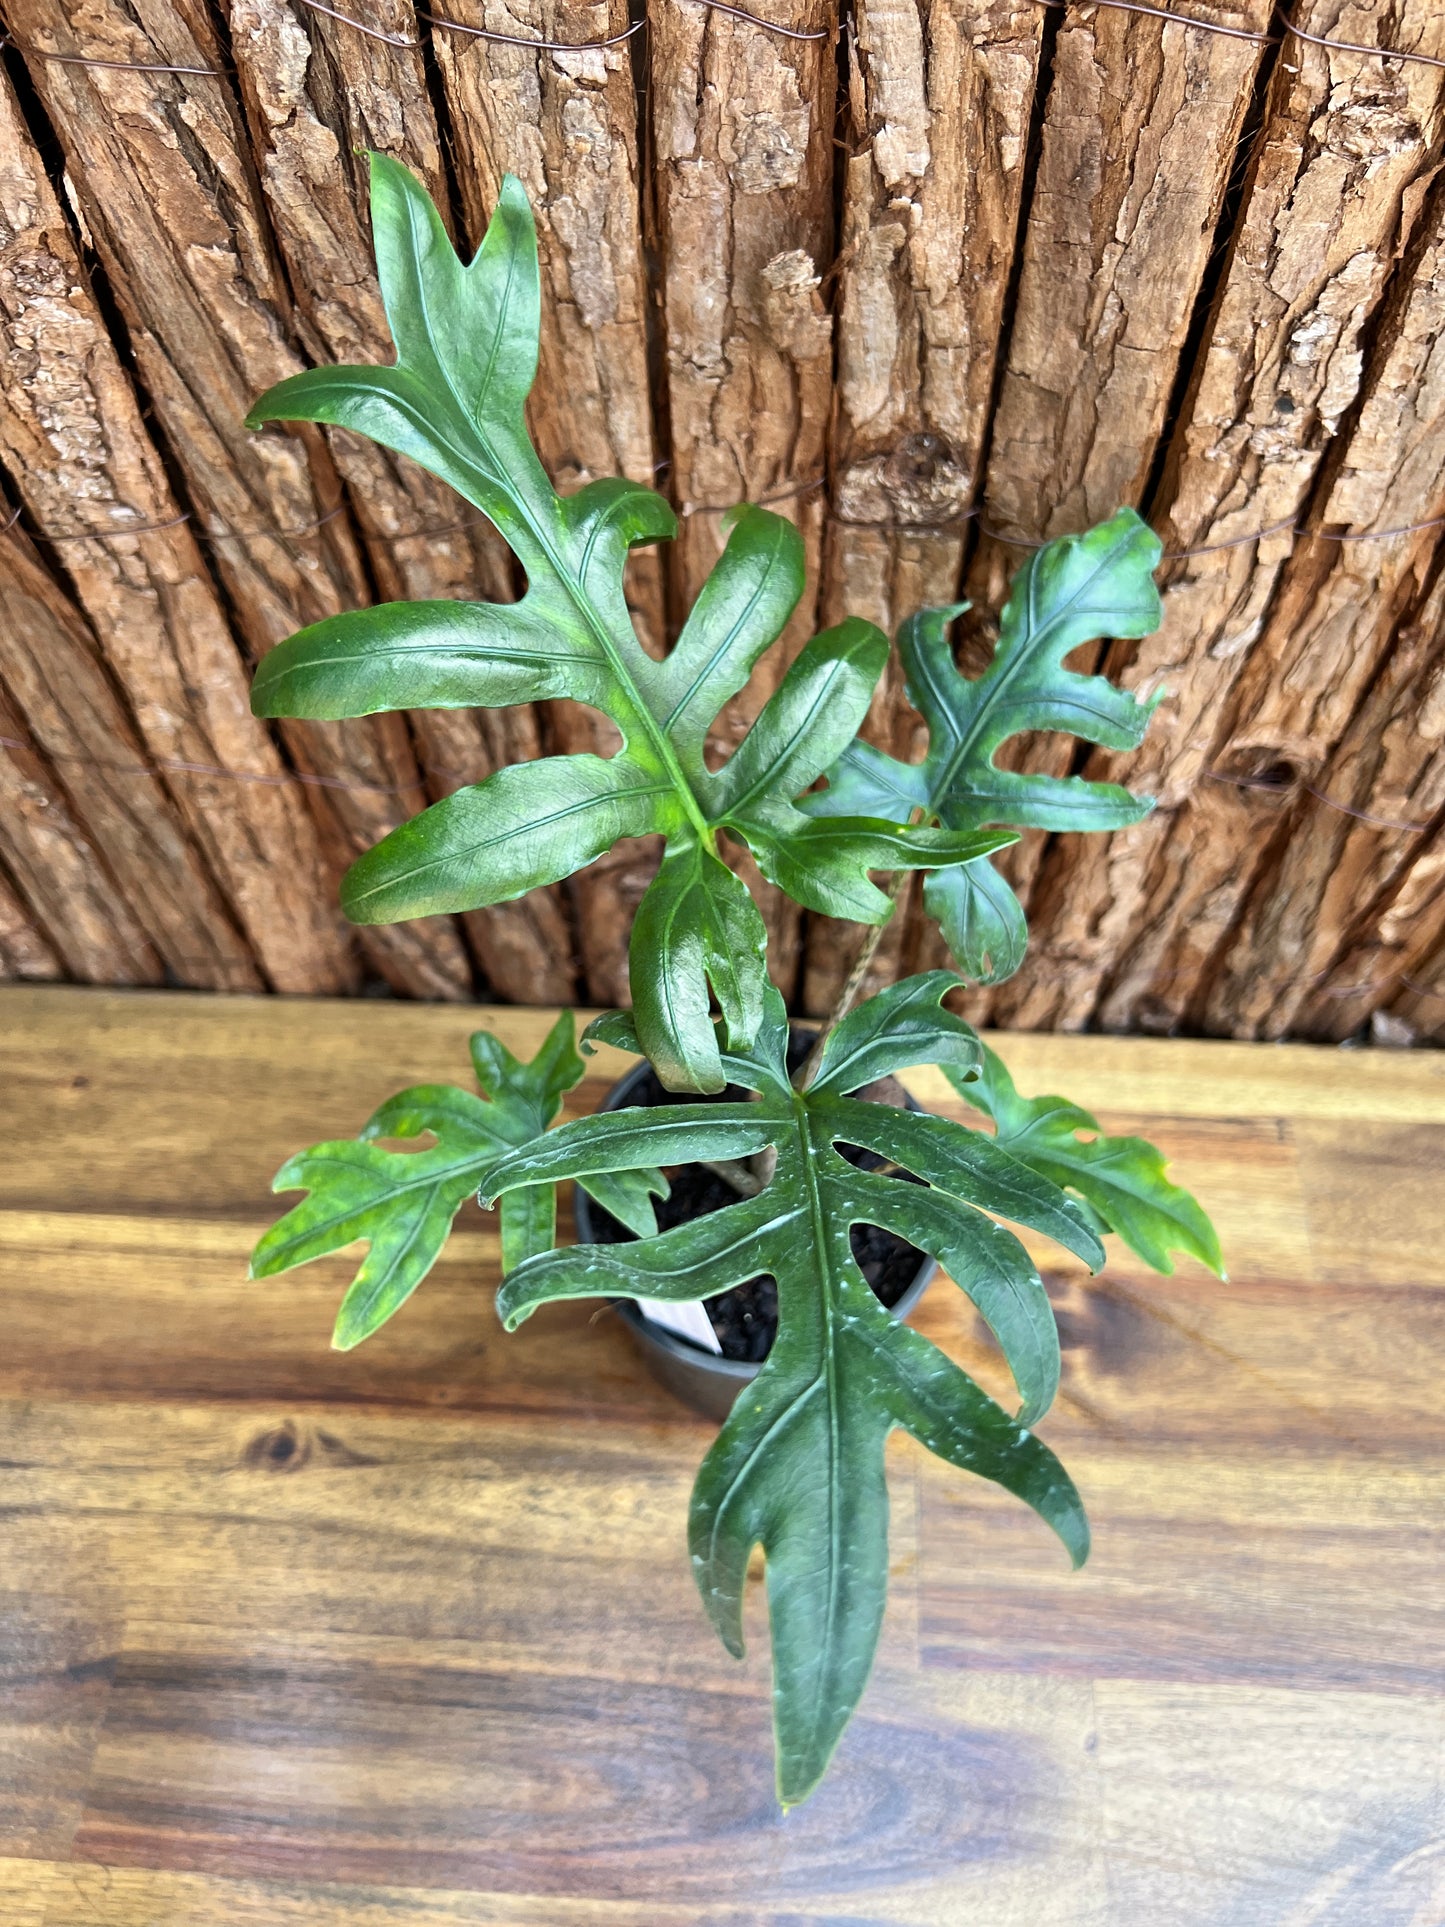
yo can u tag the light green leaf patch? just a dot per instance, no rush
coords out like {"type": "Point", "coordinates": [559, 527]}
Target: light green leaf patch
{"type": "Point", "coordinates": [402, 1204]}
{"type": "Point", "coordinates": [1122, 1179]}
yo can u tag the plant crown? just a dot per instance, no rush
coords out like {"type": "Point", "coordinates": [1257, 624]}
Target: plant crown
{"type": "Point", "coordinates": [798, 1466]}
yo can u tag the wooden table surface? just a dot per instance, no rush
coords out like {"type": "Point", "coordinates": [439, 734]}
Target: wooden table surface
{"type": "Point", "coordinates": [408, 1637]}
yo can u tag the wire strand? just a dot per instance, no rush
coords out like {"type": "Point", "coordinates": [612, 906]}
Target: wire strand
{"type": "Point", "coordinates": [1244, 33]}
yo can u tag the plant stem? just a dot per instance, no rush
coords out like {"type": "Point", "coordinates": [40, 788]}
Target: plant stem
{"type": "Point", "coordinates": [848, 996]}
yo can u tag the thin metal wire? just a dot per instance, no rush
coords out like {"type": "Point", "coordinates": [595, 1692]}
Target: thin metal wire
{"type": "Point", "coordinates": [771, 26]}
{"type": "Point", "coordinates": [175, 521]}
{"type": "Point", "coordinates": [763, 501]}
{"type": "Point", "coordinates": [1320, 796]}
{"type": "Point", "coordinates": [522, 40]}
{"type": "Point", "coordinates": [1243, 33]}
{"type": "Point", "coordinates": [7, 39]}
{"type": "Point", "coordinates": [1354, 47]}
{"type": "Point", "coordinates": [403, 40]}
{"type": "Point", "coordinates": [1163, 13]}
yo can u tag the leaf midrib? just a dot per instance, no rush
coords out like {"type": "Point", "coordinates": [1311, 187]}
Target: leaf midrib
{"type": "Point", "coordinates": [582, 602]}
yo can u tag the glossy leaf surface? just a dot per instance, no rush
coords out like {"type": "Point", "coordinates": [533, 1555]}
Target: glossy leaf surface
{"type": "Point", "coordinates": [466, 342]}
{"type": "Point", "coordinates": [1122, 1179]}
{"type": "Point", "coordinates": [798, 1467]}
{"type": "Point", "coordinates": [1074, 590]}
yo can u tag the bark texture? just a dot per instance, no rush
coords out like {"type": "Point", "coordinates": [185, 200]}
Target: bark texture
{"type": "Point", "coordinates": [1346, 153]}
{"type": "Point", "coordinates": [72, 437]}
{"type": "Point", "coordinates": [566, 125]}
{"type": "Point", "coordinates": [743, 142]}
{"type": "Point", "coordinates": [318, 95]}
{"type": "Point", "coordinates": [80, 743]}
{"type": "Point", "coordinates": [167, 189]}
{"type": "Point", "coordinates": [937, 120]}
{"type": "Point", "coordinates": [25, 955]}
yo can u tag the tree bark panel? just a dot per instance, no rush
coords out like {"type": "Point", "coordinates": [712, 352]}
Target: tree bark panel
{"type": "Point", "coordinates": [1336, 185]}
{"type": "Point", "coordinates": [168, 193]}
{"type": "Point", "coordinates": [72, 437]}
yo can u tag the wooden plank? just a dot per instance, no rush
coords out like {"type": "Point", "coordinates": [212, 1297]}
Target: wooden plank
{"type": "Point", "coordinates": [160, 163]}
{"type": "Point", "coordinates": [72, 433]}
{"type": "Point", "coordinates": [407, 1634]}
{"type": "Point", "coordinates": [317, 95]}
{"type": "Point", "coordinates": [1127, 925]}
{"type": "Point", "coordinates": [77, 1895]}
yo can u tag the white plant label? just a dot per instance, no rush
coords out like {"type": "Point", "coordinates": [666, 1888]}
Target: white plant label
{"type": "Point", "coordinates": [688, 1321]}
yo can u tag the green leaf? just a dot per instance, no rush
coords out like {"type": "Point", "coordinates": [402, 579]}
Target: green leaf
{"type": "Point", "coordinates": [466, 346]}
{"type": "Point", "coordinates": [627, 1195]}
{"type": "Point", "coordinates": [1121, 1179]}
{"type": "Point", "coordinates": [740, 611]}
{"type": "Point", "coordinates": [823, 862]}
{"type": "Point", "coordinates": [982, 921]}
{"type": "Point", "coordinates": [1072, 591]}
{"type": "Point", "coordinates": [402, 1204]}
{"type": "Point", "coordinates": [696, 925]}
{"type": "Point", "coordinates": [902, 1026]}
{"type": "Point", "coordinates": [423, 655]}
{"type": "Point", "coordinates": [809, 718]}
{"type": "Point", "coordinates": [529, 824]}
{"type": "Point", "coordinates": [799, 1468]}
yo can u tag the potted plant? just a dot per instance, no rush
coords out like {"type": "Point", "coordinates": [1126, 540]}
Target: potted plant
{"type": "Point", "coordinates": [798, 1467]}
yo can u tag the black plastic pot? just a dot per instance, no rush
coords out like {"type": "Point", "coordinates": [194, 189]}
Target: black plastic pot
{"type": "Point", "coordinates": [702, 1379]}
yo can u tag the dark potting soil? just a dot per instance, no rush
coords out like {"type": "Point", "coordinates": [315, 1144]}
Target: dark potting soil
{"type": "Point", "coordinates": [746, 1317]}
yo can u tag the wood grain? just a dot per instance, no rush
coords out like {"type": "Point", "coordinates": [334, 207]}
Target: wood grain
{"type": "Point", "coordinates": [407, 1634]}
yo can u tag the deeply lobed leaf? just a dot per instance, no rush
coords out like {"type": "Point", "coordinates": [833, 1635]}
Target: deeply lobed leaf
{"type": "Point", "coordinates": [798, 1468]}
{"type": "Point", "coordinates": [466, 342]}
{"type": "Point", "coordinates": [402, 1204]}
{"type": "Point", "coordinates": [1122, 1179]}
{"type": "Point", "coordinates": [1072, 591]}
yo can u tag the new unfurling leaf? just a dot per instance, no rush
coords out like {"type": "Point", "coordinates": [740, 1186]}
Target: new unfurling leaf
{"type": "Point", "coordinates": [402, 1203]}
{"type": "Point", "coordinates": [1072, 591]}
{"type": "Point", "coordinates": [466, 342]}
{"type": "Point", "coordinates": [798, 1467]}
